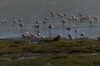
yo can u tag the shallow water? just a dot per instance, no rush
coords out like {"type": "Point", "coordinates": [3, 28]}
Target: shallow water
{"type": "Point", "coordinates": [32, 10]}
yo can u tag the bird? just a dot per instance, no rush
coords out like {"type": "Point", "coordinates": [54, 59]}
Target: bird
{"type": "Point", "coordinates": [76, 32]}
{"type": "Point", "coordinates": [82, 34]}
{"type": "Point", "coordinates": [68, 30]}
{"type": "Point", "coordinates": [37, 22]}
{"type": "Point", "coordinates": [50, 26]}
{"type": "Point", "coordinates": [59, 35]}
{"type": "Point", "coordinates": [44, 22]}
{"type": "Point", "coordinates": [70, 36]}
{"type": "Point", "coordinates": [42, 37]}
{"type": "Point", "coordinates": [20, 20]}
{"type": "Point", "coordinates": [15, 21]}
{"type": "Point", "coordinates": [63, 22]}
{"type": "Point", "coordinates": [95, 17]}
{"type": "Point", "coordinates": [46, 18]}
{"type": "Point", "coordinates": [21, 25]}
{"type": "Point", "coordinates": [53, 14]}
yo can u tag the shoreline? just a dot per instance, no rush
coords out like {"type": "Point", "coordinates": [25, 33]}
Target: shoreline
{"type": "Point", "coordinates": [21, 38]}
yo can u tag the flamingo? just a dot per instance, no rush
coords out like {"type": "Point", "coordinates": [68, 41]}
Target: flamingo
{"type": "Point", "coordinates": [65, 14]}
{"type": "Point", "coordinates": [68, 30]}
{"type": "Point", "coordinates": [76, 32]}
{"type": "Point", "coordinates": [63, 22]}
{"type": "Point", "coordinates": [82, 34]}
{"type": "Point", "coordinates": [31, 34]}
{"type": "Point", "coordinates": [2, 22]}
{"type": "Point", "coordinates": [42, 37]}
{"type": "Point", "coordinates": [26, 35]}
{"type": "Point", "coordinates": [69, 21]}
{"type": "Point", "coordinates": [76, 19]}
{"type": "Point", "coordinates": [88, 16]}
{"type": "Point", "coordinates": [38, 34]}
{"type": "Point", "coordinates": [20, 20]}
{"type": "Point", "coordinates": [15, 21]}
{"type": "Point", "coordinates": [44, 22]}
{"type": "Point", "coordinates": [53, 14]}
{"type": "Point", "coordinates": [90, 26]}
{"type": "Point", "coordinates": [95, 17]}
{"type": "Point", "coordinates": [37, 22]}
{"type": "Point", "coordinates": [50, 27]}
{"type": "Point", "coordinates": [90, 23]}
{"type": "Point", "coordinates": [70, 36]}
{"type": "Point", "coordinates": [37, 27]}
{"type": "Point", "coordinates": [21, 25]}
{"type": "Point", "coordinates": [73, 17]}
{"type": "Point", "coordinates": [38, 31]}
{"type": "Point", "coordinates": [59, 35]}
{"type": "Point", "coordinates": [59, 14]}
{"type": "Point", "coordinates": [80, 15]}
{"type": "Point", "coordinates": [46, 18]}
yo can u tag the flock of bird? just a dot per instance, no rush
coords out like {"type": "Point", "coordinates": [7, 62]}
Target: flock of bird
{"type": "Point", "coordinates": [82, 18]}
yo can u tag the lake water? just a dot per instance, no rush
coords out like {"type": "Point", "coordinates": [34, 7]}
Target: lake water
{"type": "Point", "coordinates": [32, 10]}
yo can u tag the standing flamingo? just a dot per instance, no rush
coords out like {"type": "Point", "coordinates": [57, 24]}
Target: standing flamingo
{"type": "Point", "coordinates": [20, 20]}
{"type": "Point", "coordinates": [73, 17]}
{"type": "Point", "coordinates": [63, 22]}
{"type": "Point", "coordinates": [37, 22]}
{"type": "Point", "coordinates": [50, 27]}
{"type": "Point", "coordinates": [68, 30]}
{"type": "Point", "coordinates": [90, 26]}
{"type": "Point", "coordinates": [43, 37]}
{"type": "Point", "coordinates": [59, 14]}
{"type": "Point", "coordinates": [90, 23]}
{"type": "Point", "coordinates": [76, 32]}
{"type": "Point", "coordinates": [70, 36]}
{"type": "Point", "coordinates": [95, 17]}
{"type": "Point", "coordinates": [37, 27]}
{"type": "Point", "coordinates": [2, 22]}
{"type": "Point", "coordinates": [76, 19]}
{"type": "Point", "coordinates": [15, 21]}
{"type": "Point", "coordinates": [65, 14]}
{"type": "Point", "coordinates": [70, 22]}
{"type": "Point", "coordinates": [26, 35]}
{"type": "Point", "coordinates": [59, 35]}
{"type": "Point", "coordinates": [21, 25]}
{"type": "Point", "coordinates": [82, 34]}
{"type": "Point", "coordinates": [44, 22]}
{"type": "Point", "coordinates": [53, 14]}
{"type": "Point", "coordinates": [46, 18]}
{"type": "Point", "coordinates": [38, 34]}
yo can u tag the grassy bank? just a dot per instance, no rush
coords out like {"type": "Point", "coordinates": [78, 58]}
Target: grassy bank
{"type": "Point", "coordinates": [50, 53]}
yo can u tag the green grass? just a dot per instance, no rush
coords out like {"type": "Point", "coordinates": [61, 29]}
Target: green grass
{"type": "Point", "coordinates": [60, 53]}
